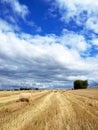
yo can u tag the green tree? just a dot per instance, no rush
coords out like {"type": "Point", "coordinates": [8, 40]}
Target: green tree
{"type": "Point", "coordinates": [80, 84]}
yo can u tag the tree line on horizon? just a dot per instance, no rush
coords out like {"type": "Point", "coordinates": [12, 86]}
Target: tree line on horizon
{"type": "Point", "coordinates": [78, 84]}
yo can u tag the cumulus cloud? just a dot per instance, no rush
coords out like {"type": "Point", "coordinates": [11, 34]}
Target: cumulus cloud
{"type": "Point", "coordinates": [51, 61]}
{"type": "Point", "coordinates": [76, 7]}
{"type": "Point", "coordinates": [18, 9]}
{"type": "Point", "coordinates": [6, 27]}
{"type": "Point", "coordinates": [75, 41]}
{"type": "Point", "coordinates": [92, 24]}
{"type": "Point", "coordinates": [95, 41]}
{"type": "Point", "coordinates": [83, 13]}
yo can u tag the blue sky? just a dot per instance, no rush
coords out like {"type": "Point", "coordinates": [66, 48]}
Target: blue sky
{"type": "Point", "coordinates": [48, 44]}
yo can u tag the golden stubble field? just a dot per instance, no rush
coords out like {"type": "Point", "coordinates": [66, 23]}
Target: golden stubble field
{"type": "Point", "coordinates": [50, 110]}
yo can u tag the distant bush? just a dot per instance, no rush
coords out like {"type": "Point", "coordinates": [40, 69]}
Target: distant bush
{"type": "Point", "coordinates": [16, 89]}
{"type": "Point", "coordinates": [80, 84]}
{"type": "Point", "coordinates": [25, 88]}
{"type": "Point", "coordinates": [36, 88]}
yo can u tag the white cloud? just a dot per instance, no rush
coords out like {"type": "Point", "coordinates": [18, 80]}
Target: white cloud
{"type": "Point", "coordinates": [82, 77]}
{"type": "Point", "coordinates": [75, 41]}
{"type": "Point", "coordinates": [83, 13]}
{"type": "Point", "coordinates": [16, 10]}
{"type": "Point", "coordinates": [95, 41]}
{"type": "Point", "coordinates": [92, 24]}
{"type": "Point", "coordinates": [75, 7]}
{"type": "Point", "coordinates": [48, 60]}
{"type": "Point", "coordinates": [19, 9]}
{"type": "Point", "coordinates": [38, 29]}
{"type": "Point", "coordinates": [4, 26]}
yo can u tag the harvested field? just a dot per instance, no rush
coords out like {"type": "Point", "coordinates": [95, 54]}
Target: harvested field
{"type": "Point", "coordinates": [50, 110]}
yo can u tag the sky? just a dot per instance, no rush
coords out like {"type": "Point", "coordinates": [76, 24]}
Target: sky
{"type": "Point", "coordinates": [48, 43]}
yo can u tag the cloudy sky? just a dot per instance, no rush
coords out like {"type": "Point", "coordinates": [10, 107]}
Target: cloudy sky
{"type": "Point", "coordinates": [48, 43]}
